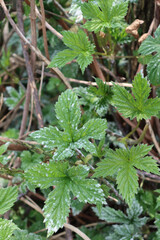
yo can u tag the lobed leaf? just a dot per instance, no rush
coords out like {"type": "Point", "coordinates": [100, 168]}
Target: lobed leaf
{"type": "Point", "coordinates": [66, 179]}
{"type": "Point", "coordinates": [123, 162]}
{"type": "Point", "coordinates": [104, 14]}
{"type": "Point", "coordinates": [72, 138]}
{"type": "Point", "coordinates": [79, 47]}
{"type": "Point", "coordinates": [140, 107]}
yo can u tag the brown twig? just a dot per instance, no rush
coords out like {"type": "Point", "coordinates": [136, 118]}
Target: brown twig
{"type": "Point", "coordinates": [109, 72]}
{"type": "Point", "coordinates": [28, 65]}
{"type": "Point", "coordinates": [87, 82]}
{"type": "Point", "coordinates": [44, 29]}
{"type": "Point", "coordinates": [61, 8]}
{"type": "Point", "coordinates": [153, 137]}
{"type": "Point", "coordinates": [36, 50]}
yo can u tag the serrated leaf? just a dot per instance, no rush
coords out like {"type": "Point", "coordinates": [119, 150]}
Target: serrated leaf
{"type": "Point", "coordinates": [63, 57]}
{"type": "Point", "coordinates": [123, 162]}
{"type": "Point", "coordinates": [66, 180]}
{"type": "Point", "coordinates": [149, 46]}
{"type": "Point", "coordinates": [123, 232]}
{"type": "Point", "coordinates": [24, 235]}
{"type": "Point", "coordinates": [127, 181]}
{"type": "Point", "coordinates": [133, 214]}
{"type": "Point", "coordinates": [72, 138]}
{"type": "Point", "coordinates": [87, 190]}
{"type": "Point", "coordinates": [56, 209]}
{"type": "Point", "coordinates": [105, 14]}
{"type": "Point", "coordinates": [140, 106]}
{"type": "Point", "coordinates": [111, 215]}
{"type": "Point", "coordinates": [80, 48]}
{"type": "Point", "coordinates": [46, 175]}
{"type": "Point", "coordinates": [68, 112]}
{"type": "Point", "coordinates": [90, 129]}
{"type": "Point", "coordinates": [7, 198]}
{"type": "Point", "coordinates": [6, 229]}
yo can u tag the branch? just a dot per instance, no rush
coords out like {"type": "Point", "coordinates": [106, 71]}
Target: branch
{"type": "Point", "coordinates": [44, 29]}
{"type": "Point", "coordinates": [28, 65]}
{"type": "Point", "coordinates": [36, 50]}
{"type": "Point", "coordinates": [88, 82]}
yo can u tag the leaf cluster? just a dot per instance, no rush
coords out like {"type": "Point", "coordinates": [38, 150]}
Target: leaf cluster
{"type": "Point", "coordinates": [104, 14]}
{"type": "Point", "coordinates": [71, 138]}
{"type": "Point", "coordinates": [130, 224]}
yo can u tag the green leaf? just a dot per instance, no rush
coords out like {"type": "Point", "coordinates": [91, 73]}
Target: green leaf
{"type": "Point", "coordinates": [153, 69]}
{"type": "Point", "coordinates": [87, 190]}
{"type": "Point", "coordinates": [149, 46]}
{"type": "Point", "coordinates": [127, 181]}
{"type": "Point", "coordinates": [140, 106]}
{"type": "Point", "coordinates": [28, 160]}
{"type": "Point", "coordinates": [79, 47]}
{"type": "Point", "coordinates": [3, 148]}
{"type": "Point", "coordinates": [15, 97]}
{"type": "Point", "coordinates": [63, 57]}
{"type": "Point", "coordinates": [6, 229]}
{"type": "Point", "coordinates": [72, 138]}
{"type": "Point", "coordinates": [7, 198]}
{"type": "Point", "coordinates": [111, 215]}
{"type": "Point", "coordinates": [104, 14]}
{"type": "Point", "coordinates": [46, 175]}
{"type": "Point", "coordinates": [68, 112]}
{"type": "Point", "coordinates": [56, 209]}
{"type": "Point", "coordinates": [24, 235]}
{"type": "Point", "coordinates": [66, 179]}
{"type": "Point", "coordinates": [77, 207]}
{"type": "Point", "coordinates": [123, 232]}
{"type": "Point", "coordinates": [123, 163]}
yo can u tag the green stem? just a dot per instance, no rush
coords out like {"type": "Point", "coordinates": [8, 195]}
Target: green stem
{"type": "Point", "coordinates": [124, 140]}
{"type": "Point", "coordinates": [130, 141]}
{"type": "Point", "coordinates": [143, 134]}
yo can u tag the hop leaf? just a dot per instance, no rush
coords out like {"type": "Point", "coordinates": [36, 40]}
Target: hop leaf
{"type": "Point", "coordinates": [66, 179]}
{"type": "Point", "coordinates": [152, 45]}
{"type": "Point", "coordinates": [79, 48]}
{"type": "Point", "coordinates": [72, 138]}
{"type": "Point", "coordinates": [105, 14]}
{"type": "Point", "coordinates": [123, 163]}
{"type": "Point", "coordinates": [140, 106]}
